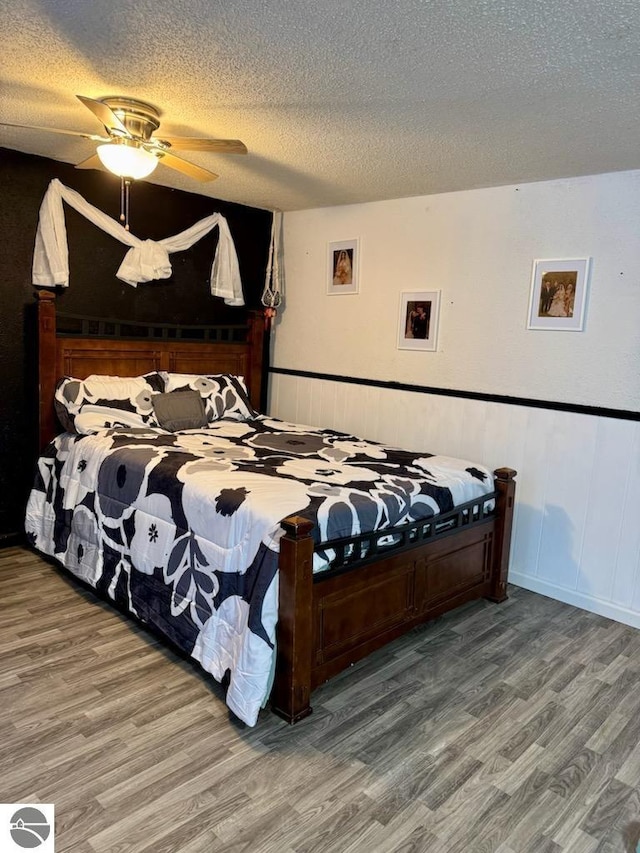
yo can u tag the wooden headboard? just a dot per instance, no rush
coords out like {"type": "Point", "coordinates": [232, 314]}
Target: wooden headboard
{"type": "Point", "coordinates": [79, 346]}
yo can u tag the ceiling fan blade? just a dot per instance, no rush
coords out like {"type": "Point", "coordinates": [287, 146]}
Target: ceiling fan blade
{"type": "Point", "coordinates": [93, 162]}
{"type": "Point", "coordinates": [104, 113]}
{"type": "Point", "coordinates": [192, 143]}
{"type": "Point", "coordinates": [186, 168]}
{"type": "Point", "coordinates": [93, 136]}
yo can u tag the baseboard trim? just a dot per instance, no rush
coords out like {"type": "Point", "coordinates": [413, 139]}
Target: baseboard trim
{"type": "Point", "coordinates": [9, 540]}
{"type": "Point", "coordinates": [578, 599]}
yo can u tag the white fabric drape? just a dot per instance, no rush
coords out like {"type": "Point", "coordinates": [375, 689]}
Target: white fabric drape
{"type": "Point", "coordinates": [146, 260]}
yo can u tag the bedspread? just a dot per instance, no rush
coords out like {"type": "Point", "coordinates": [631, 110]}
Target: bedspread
{"type": "Point", "coordinates": [182, 529]}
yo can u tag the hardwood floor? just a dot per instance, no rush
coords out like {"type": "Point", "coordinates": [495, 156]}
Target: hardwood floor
{"type": "Point", "coordinates": [511, 728]}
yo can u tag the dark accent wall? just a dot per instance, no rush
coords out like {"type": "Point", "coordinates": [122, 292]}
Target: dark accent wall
{"type": "Point", "coordinates": [94, 290]}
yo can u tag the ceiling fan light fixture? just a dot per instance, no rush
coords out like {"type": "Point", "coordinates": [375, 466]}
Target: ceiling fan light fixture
{"type": "Point", "coordinates": [127, 159]}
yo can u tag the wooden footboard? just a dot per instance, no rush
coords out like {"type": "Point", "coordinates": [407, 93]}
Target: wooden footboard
{"type": "Point", "coordinates": [327, 622]}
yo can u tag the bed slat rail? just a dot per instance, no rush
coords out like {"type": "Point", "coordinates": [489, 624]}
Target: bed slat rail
{"type": "Point", "coordinates": [367, 547]}
{"type": "Point", "coordinates": [76, 325]}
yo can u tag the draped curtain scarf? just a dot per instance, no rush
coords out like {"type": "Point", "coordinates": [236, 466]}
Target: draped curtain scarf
{"type": "Point", "coordinates": [146, 260]}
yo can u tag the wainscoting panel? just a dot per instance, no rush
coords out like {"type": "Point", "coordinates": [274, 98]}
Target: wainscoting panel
{"type": "Point", "coordinates": [576, 527]}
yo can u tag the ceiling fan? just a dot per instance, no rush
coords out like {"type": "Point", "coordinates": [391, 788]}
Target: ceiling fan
{"type": "Point", "coordinates": [129, 148]}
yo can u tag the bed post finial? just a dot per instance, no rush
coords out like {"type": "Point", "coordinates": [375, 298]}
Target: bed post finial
{"type": "Point", "coordinates": [46, 365]}
{"type": "Point", "coordinates": [505, 502]}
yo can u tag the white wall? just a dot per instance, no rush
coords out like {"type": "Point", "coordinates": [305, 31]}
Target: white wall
{"type": "Point", "coordinates": [576, 533]}
{"type": "Point", "coordinates": [477, 247]}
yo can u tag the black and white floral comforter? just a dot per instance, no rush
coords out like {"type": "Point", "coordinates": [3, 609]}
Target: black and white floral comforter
{"type": "Point", "coordinates": [182, 529]}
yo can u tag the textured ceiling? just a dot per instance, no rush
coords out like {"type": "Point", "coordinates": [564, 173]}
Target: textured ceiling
{"type": "Point", "coordinates": [338, 102]}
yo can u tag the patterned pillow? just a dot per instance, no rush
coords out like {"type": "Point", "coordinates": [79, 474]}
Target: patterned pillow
{"type": "Point", "coordinates": [224, 395]}
{"type": "Point", "coordinates": [99, 402]}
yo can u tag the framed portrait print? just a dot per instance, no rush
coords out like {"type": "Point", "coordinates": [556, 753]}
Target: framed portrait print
{"type": "Point", "coordinates": [342, 267]}
{"type": "Point", "coordinates": [418, 320]}
{"type": "Point", "coordinates": [558, 295]}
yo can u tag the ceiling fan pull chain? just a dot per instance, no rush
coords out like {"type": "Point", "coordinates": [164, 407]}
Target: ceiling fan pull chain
{"type": "Point", "coordinates": [127, 192]}
{"type": "Point", "coordinates": [125, 186]}
{"type": "Point", "coordinates": [122, 217]}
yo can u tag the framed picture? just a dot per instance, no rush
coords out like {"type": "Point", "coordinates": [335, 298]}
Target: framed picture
{"type": "Point", "coordinates": [342, 267]}
{"type": "Point", "coordinates": [418, 321]}
{"type": "Point", "coordinates": [558, 295]}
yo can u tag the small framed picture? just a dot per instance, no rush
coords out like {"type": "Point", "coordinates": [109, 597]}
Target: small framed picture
{"type": "Point", "coordinates": [342, 267]}
{"type": "Point", "coordinates": [558, 295]}
{"type": "Point", "coordinates": [418, 321]}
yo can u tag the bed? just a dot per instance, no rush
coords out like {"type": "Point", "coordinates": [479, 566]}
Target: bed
{"type": "Point", "coordinates": [273, 554]}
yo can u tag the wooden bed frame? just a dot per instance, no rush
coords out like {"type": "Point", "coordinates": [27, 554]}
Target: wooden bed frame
{"type": "Point", "coordinates": [329, 620]}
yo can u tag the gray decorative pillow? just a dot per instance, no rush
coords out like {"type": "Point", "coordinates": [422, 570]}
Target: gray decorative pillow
{"type": "Point", "coordinates": [178, 410]}
{"type": "Point", "coordinates": [224, 395]}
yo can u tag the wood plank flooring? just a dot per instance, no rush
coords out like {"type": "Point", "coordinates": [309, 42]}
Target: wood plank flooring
{"type": "Point", "coordinates": [511, 728]}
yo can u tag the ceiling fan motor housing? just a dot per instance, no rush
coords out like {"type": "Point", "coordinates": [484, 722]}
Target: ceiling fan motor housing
{"type": "Point", "coordinates": [139, 118]}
